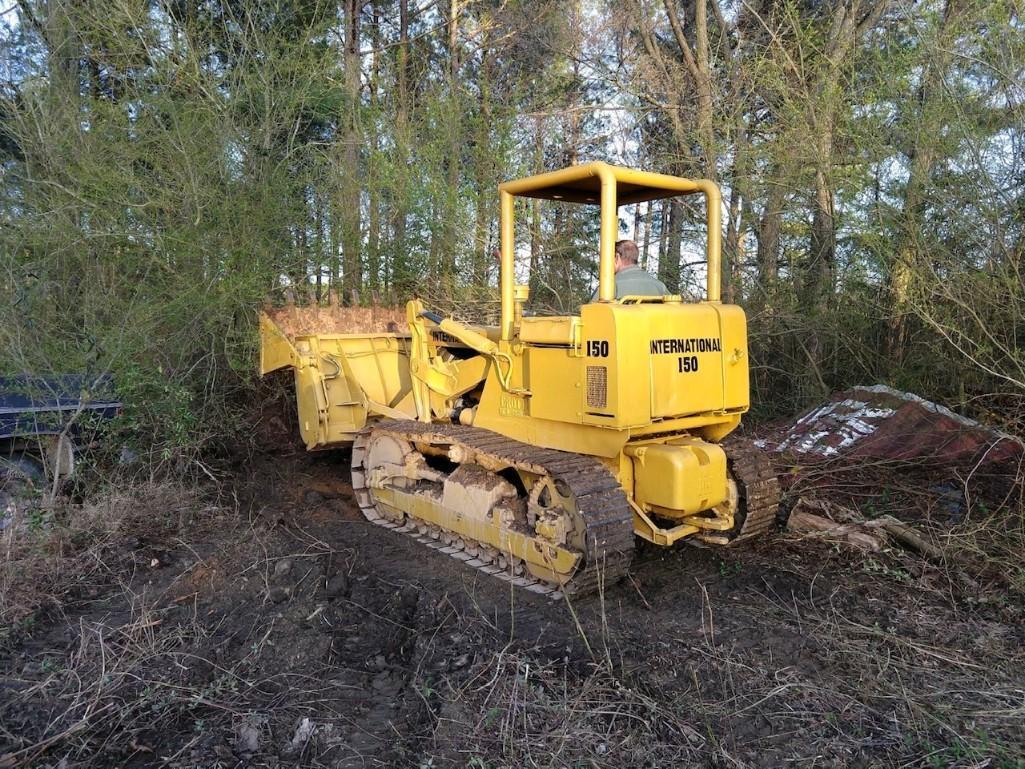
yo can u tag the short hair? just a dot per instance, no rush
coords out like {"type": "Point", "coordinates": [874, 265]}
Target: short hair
{"type": "Point", "coordinates": [627, 251]}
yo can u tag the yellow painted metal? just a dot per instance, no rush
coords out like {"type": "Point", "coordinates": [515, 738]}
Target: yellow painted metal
{"type": "Point", "coordinates": [433, 370]}
{"type": "Point", "coordinates": [424, 508]}
{"type": "Point", "coordinates": [507, 255]}
{"type": "Point", "coordinates": [424, 375]}
{"type": "Point", "coordinates": [647, 384]}
{"type": "Point", "coordinates": [467, 375]}
{"type": "Point", "coordinates": [337, 379]}
{"type": "Point", "coordinates": [679, 478]}
{"type": "Point", "coordinates": [711, 427]}
{"type": "Point", "coordinates": [546, 330]}
{"type": "Point", "coordinates": [276, 350]}
{"type": "Point", "coordinates": [550, 402]}
{"type": "Point", "coordinates": [721, 521]}
{"type": "Point", "coordinates": [510, 415]}
{"type": "Point", "coordinates": [439, 379]}
{"type": "Point", "coordinates": [649, 530]}
{"type": "Point", "coordinates": [609, 231]}
{"type": "Point", "coordinates": [609, 187]}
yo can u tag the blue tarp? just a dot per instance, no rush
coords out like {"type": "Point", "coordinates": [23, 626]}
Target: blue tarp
{"type": "Point", "coordinates": [43, 406]}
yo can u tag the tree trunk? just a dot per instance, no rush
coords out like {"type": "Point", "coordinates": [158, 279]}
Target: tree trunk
{"type": "Point", "coordinates": [769, 227]}
{"type": "Point", "coordinates": [483, 169]}
{"type": "Point", "coordinates": [372, 181]}
{"type": "Point", "coordinates": [663, 237]}
{"type": "Point", "coordinates": [818, 276]}
{"type": "Point", "coordinates": [706, 128]}
{"type": "Point", "coordinates": [352, 278]}
{"type": "Point", "coordinates": [847, 22]}
{"type": "Point", "coordinates": [645, 250]}
{"type": "Point", "coordinates": [400, 259]}
{"type": "Point", "coordinates": [697, 61]}
{"type": "Point", "coordinates": [922, 160]}
{"type": "Point", "coordinates": [731, 257]}
{"type": "Point", "coordinates": [534, 278]}
{"type": "Point", "coordinates": [63, 62]}
{"type": "Point", "coordinates": [319, 255]}
{"type": "Point", "coordinates": [669, 265]}
{"type": "Point", "coordinates": [448, 249]}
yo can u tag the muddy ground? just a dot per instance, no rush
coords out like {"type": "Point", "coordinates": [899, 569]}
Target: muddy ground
{"type": "Point", "coordinates": [278, 629]}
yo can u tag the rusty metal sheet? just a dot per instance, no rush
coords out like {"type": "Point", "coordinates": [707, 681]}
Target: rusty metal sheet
{"type": "Point", "coordinates": [880, 423]}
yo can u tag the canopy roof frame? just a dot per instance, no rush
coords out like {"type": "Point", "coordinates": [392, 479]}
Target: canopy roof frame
{"type": "Point", "coordinates": [609, 187]}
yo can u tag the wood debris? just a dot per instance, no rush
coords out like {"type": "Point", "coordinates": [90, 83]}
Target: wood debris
{"type": "Point", "coordinates": [837, 522]}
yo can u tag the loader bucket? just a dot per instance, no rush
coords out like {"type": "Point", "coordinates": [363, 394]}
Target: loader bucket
{"type": "Point", "coordinates": [347, 361]}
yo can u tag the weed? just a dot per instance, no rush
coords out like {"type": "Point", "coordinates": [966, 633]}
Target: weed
{"type": "Point", "coordinates": [729, 569]}
{"type": "Point", "coordinates": [427, 689]}
{"type": "Point", "coordinates": [898, 574]}
{"type": "Point", "coordinates": [38, 519]}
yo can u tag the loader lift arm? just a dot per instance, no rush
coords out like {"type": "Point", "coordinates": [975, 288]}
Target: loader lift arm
{"type": "Point", "coordinates": [431, 373]}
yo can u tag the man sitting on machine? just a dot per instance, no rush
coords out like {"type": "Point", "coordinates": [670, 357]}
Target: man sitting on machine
{"type": "Point", "coordinates": [631, 278]}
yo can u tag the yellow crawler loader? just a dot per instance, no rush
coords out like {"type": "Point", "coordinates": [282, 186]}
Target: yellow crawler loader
{"type": "Point", "coordinates": [536, 450]}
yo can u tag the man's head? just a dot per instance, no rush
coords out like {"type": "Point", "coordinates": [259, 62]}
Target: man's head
{"type": "Point", "coordinates": [626, 254]}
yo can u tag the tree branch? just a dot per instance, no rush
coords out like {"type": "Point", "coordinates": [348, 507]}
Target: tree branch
{"type": "Point", "coordinates": [681, 40]}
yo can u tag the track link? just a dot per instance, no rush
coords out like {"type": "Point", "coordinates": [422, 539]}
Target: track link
{"type": "Point", "coordinates": [759, 489]}
{"type": "Point", "coordinates": [600, 501]}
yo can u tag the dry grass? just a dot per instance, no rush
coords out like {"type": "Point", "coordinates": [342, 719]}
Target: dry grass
{"type": "Point", "coordinates": [872, 672]}
{"type": "Point", "coordinates": [53, 555]}
{"type": "Point", "coordinates": [924, 689]}
{"type": "Point", "coordinates": [135, 687]}
{"type": "Point", "coordinates": [108, 666]}
{"type": "Point", "coordinates": [791, 654]}
{"type": "Point", "coordinates": [104, 694]}
{"type": "Point", "coordinates": [515, 710]}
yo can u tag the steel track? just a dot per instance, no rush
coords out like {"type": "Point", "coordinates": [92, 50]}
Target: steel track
{"type": "Point", "coordinates": [758, 487]}
{"type": "Point", "coordinates": [601, 504]}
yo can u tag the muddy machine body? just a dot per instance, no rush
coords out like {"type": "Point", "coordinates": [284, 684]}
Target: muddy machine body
{"type": "Point", "coordinates": [538, 449]}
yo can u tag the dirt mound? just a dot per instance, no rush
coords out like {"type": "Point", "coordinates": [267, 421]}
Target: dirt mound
{"type": "Point", "coordinates": [314, 319]}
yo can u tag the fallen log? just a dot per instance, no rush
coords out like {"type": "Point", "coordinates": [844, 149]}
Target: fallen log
{"type": "Point", "coordinates": [804, 520]}
{"type": "Point", "coordinates": [848, 525]}
{"type": "Point", "coordinates": [829, 509]}
{"type": "Point", "coordinates": [907, 536]}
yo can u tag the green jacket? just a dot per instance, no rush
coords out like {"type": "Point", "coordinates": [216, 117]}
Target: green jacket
{"type": "Point", "coordinates": [633, 281]}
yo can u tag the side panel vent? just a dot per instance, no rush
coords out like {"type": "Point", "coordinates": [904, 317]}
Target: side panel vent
{"type": "Point", "coordinates": [597, 387]}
